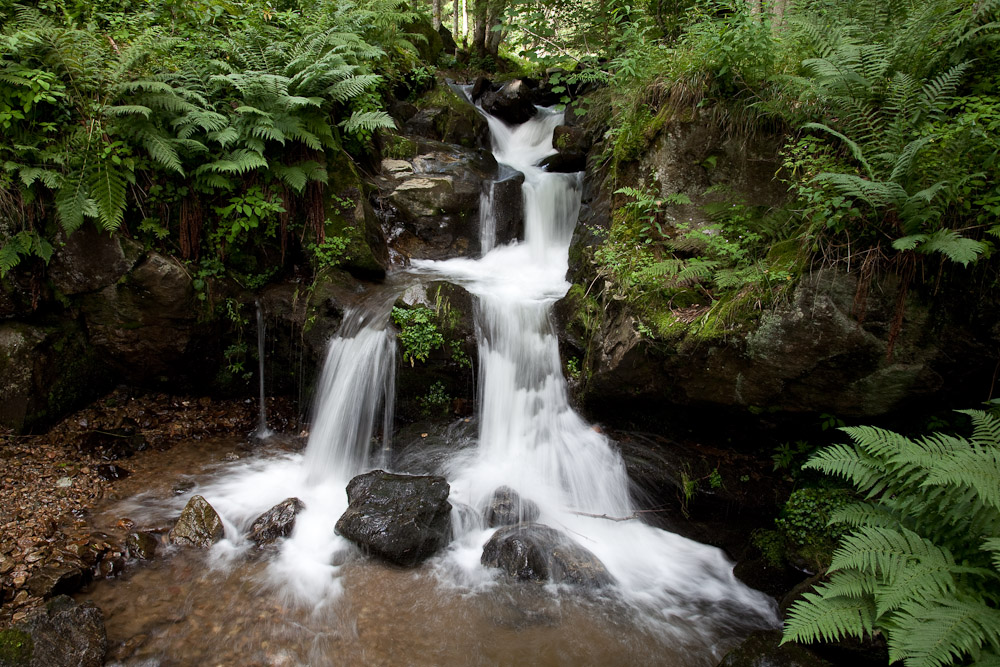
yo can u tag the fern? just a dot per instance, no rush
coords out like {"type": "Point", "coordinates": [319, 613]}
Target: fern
{"type": "Point", "coordinates": [924, 557]}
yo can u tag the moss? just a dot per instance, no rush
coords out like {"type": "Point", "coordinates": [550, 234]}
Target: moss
{"type": "Point", "coordinates": [398, 147]}
{"type": "Point", "coordinates": [16, 648]}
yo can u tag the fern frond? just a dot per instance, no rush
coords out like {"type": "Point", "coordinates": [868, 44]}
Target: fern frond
{"type": "Point", "coordinates": [850, 143]}
{"type": "Point", "coordinates": [107, 187]}
{"type": "Point", "coordinates": [368, 121]}
{"type": "Point", "coordinates": [985, 427]}
{"type": "Point", "coordinates": [942, 632]}
{"type": "Point", "coordinates": [73, 203]}
{"type": "Point", "coordinates": [845, 461]}
{"type": "Point", "coordinates": [821, 617]}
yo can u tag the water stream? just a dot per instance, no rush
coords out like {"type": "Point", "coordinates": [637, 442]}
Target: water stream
{"type": "Point", "coordinates": [675, 601]}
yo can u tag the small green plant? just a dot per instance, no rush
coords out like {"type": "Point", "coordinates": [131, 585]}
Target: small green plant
{"type": "Point", "coordinates": [573, 368]}
{"type": "Point", "coordinates": [435, 401]}
{"type": "Point", "coordinates": [458, 354]}
{"type": "Point", "coordinates": [418, 332]}
{"type": "Point", "coordinates": [333, 251]}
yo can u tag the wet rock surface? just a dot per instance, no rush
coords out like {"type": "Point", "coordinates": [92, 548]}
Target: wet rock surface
{"type": "Point", "coordinates": [507, 508]}
{"type": "Point", "coordinates": [277, 522]}
{"type": "Point", "coordinates": [90, 260]}
{"type": "Point", "coordinates": [762, 649]}
{"type": "Point", "coordinates": [198, 526]}
{"type": "Point", "coordinates": [512, 102]}
{"type": "Point", "coordinates": [142, 545]}
{"type": "Point", "coordinates": [400, 518]}
{"type": "Point", "coordinates": [65, 634]}
{"type": "Point", "coordinates": [535, 552]}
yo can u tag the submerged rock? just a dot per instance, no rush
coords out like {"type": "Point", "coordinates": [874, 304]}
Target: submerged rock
{"type": "Point", "coordinates": [142, 545]}
{"type": "Point", "coordinates": [508, 508]}
{"type": "Point", "coordinates": [763, 649]}
{"type": "Point", "coordinates": [198, 526]}
{"type": "Point", "coordinates": [403, 519]}
{"type": "Point", "coordinates": [276, 522]}
{"type": "Point", "coordinates": [64, 634]}
{"type": "Point", "coordinates": [535, 552]}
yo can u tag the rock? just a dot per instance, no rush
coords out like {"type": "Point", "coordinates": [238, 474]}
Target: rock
{"type": "Point", "coordinates": [59, 579]}
{"type": "Point", "coordinates": [431, 210]}
{"type": "Point", "coordinates": [448, 44]}
{"type": "Point", "coordinates": [511, 103]}
{"type": "Point", "coordinates": [90, 260]}
{"type": "Point", "coordinates": [66, 634]}
{"type": "Point", "coordinates": [276, 522]}
{"type": "Point", "coordinates": [110, 472]}
{"type": "Point", "coordinates": [480, 87]}
{"type": "Point", "coordinates": [508, 508]}
{"type": "Point", "coordinates": [47, 371]}
{"type": "Point", "coordinates": [142, 545]}
{"type": "Point", "coordinates": [16, 648]}
{"type": "Point", "coordinates": [403, 519]}
{"type": "Point", "coordinates": [762, 649]}
{"type": "Point", "coordinates": [535, 552]}
{"type": "Point", "coordinates": [564, 163]}
{"type": "Point", "coordinates": [144, 324]}
{"type": "Point", "coordinates": [199, 525]}
{"type": "Point", "coordinates": [571, 140]}
{"type": "Point", "coordinates": [505, 195]}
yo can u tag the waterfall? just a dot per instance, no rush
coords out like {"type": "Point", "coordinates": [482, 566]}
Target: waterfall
{"type": "Point", "coordinates": [262, 431]}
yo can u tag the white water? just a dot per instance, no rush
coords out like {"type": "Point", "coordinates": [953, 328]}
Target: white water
{"type": "Point", "coordinates": [262, 431]}
{"type": "Point", "coordinates": [529, 438]}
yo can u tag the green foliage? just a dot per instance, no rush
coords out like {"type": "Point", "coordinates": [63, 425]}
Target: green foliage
{"type": "Point", "coordinates": [16, 647]}
{"type": "Point", "coordinates": [418, 332]}
{"type": "Point", "coordinates": [435, 401]}
{"type": "Point", "coordinates": [920, 563]}
{"type": "Point", "coordinates": [333, 251]}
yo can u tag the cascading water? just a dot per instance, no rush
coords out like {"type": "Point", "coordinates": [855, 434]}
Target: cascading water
{"type": "Point", "coordinates": [262, 431]}
{"type": "Point", "coordinates": [674, 601]}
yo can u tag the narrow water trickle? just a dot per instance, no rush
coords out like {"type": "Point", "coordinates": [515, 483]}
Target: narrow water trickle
{"type": "Point", "coordinates": [673, 601]}
{"type": "Point", "coordinates": [262, 431]}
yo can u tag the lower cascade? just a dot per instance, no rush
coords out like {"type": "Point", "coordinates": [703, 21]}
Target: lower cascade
{"type": "Point", "coordinates": [539, 495]}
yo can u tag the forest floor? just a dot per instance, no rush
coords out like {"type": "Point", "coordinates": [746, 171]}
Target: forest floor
{"type": "Point", "coordinates": [52, 483]}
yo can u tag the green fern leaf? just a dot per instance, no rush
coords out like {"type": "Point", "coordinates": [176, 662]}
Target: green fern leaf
{"type": "Point", "coordinates": [942, 632]}
{"type": "Point", "coordinates": [819, 617]}
{"type": "Point", "coordinates": [954, 246]}
{"type": "Point", "coordinates": [73, 203]}
{"type": "Point", "coordinates": [368, 121]}
{"type": "Point", "coordinates": [107, 187]}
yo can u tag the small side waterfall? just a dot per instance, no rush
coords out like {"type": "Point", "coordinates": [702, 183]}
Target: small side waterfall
{"type": "Point", "coordinates": [262, 432]}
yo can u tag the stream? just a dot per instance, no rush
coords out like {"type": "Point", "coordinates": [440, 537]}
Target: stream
{"type": "Point", "coordinates": [315, 600]}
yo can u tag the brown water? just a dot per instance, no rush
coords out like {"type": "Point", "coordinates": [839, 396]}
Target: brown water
{"type": "Point", "coordinates": [180, 610]}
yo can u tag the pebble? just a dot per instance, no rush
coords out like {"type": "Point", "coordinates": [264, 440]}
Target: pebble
{"type": "Point", "coordinates": [64, 482]}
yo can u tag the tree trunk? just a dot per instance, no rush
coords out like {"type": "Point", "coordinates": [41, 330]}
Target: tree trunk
{"type": "Point", "coordinates": [436, 14]}
{"type": "Point", "coordinates": [465, 23]}
{"type": "Point", "coordinates": [480, 12]}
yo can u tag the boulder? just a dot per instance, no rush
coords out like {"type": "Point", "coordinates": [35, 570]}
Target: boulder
{"type": "Point", "coordinates": [507, 508]}
{"type": "Point", "coordinates": [144, 324]}
{"type": "Point", "coordinates": [763, 649]}
{"type": "Point", "coordinates": [448, 44]}
{"type": "Point", "coordinates": [512, 103]}
{"type": "Point", "coordinates": [446, 115]}
{"type": "Point", "coordinates": [506, 197]}
{"type": "Point", "coordinates": [89, 260]}
{"type": "Point", "coordinates": [430, 205]}
{"type": "Point", "coordinates": [64, 634]}
{"type": "Point", "coordinates": [142, 545]}
{"type": "Point", "coordinates": [57, 579]}
{"type": "Point", "coordinates": [276, 522]}
{"type": "Point", "coordinates": [47, 371]}
{"type": "Point", "coordinates": [535, 552]}
{"type": "Point", "coordinates": [402, 519]}
{"type": "Point", "coordinates": [564, 163]}
{"type": "Point", "coordinates": [198, 526]}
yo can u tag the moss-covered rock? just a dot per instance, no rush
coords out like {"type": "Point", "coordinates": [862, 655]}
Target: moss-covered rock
{"type": "Point", "coordinates": [16, 648]}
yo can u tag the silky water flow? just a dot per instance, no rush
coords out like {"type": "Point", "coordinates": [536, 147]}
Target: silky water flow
{"type": "Point", "coordinates": [674, 601]}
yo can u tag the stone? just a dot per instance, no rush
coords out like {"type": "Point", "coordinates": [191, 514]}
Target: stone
{"type": "Point", "coordinates": [198, 526]}
{"type": "Point", "coordinates": [66, 634]}
{"type": "Point", "coordinates": [89, 260]}
{"type": "Point", "coordinates": [564, 163]}
{"type": "Point", "coordinates": [512, 103]}
{"type": "Point", "coordinates": [403, 519]}
{"type": "Point", "coordinates": [142, 545]}
{"type": "Point", "coordinates": [110, 472]}
{"type": "Point", "coordinates": [59, 579]}
{"type": "Point", "coordinates": [448, 44]}
{"type": "Point", "coordinates": [276, 522]}
{"type": "Point", "coordinates": [507, 508]}
{"type": "Point", "coordinates": [536, 552]}
{"type": "Point", "coordinates": [763, 649]}
{"type": "Point", "coordinates": [508, 205]}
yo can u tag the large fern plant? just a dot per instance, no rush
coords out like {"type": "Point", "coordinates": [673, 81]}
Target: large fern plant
{"type": "Point", "coordinates": [922, 562]}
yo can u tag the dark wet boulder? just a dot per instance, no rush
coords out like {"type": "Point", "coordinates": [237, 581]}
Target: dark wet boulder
{"type": "Point", "coordinates": [198, 526]}
{"type": "Point", "coordinates": [564, 163]}
{"type": "Point", "coordinates": [403, 519]}
{"type": "Point", "coordinates": [507, 200]}
{"type": "Point", "coordinates": [448, 44]}
{"type": "Point", "coordinates": [141, 545]}
{"type": "Point", "coordinates": [507, 508]}
{"type": "Point", "coordinates": [535, 552]}
{"type": "Point", "coordinates": [276, 522]}
{"type": "Point", "coordinates": [763, 649]}
{"type": "Point", "coordinates": [63, 634]}
{"type": "Point", "coordinates": [90, 260]}
{"type": "Point", "coordinates": [57, 579]}
{"type": "Point", "coordinates": [512, 103]}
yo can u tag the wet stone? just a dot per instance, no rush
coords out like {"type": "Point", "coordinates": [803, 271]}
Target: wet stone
{"type": "Point", "coordinates": [535, 552]}
{"type": "Point", "coordinates": [61, 579]}
{"type": "Point", "coordinates": [198, 526]}
{"type": "Point", "coordinates": [507, 508]}
{"type": "Point", "coordinates": [141, 545]}
{"type": "Point", "coordinates": [65, 634]}
{"type": "Point", "coordinates": [276, 522]}
{"type": "Point", "coordinates": [403, 519]}
{"type": "Point", "coordinates": [110, 472]}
